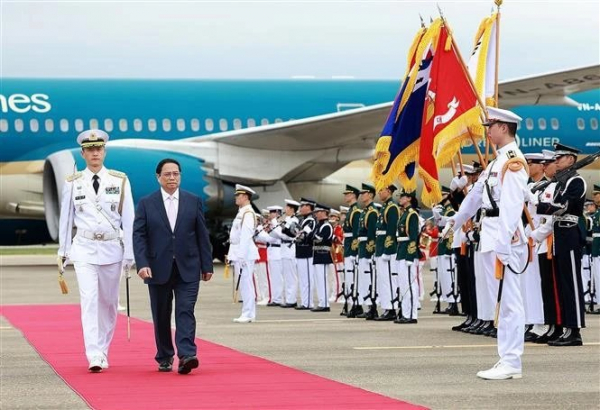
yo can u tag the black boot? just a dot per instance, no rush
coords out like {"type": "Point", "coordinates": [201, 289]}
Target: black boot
{"type": "Point", "coordinates": [571, 337]}
{"type": "Point", "coordinates": [355, 311]}
{"type": "Point", "coordinates": [388, 315]}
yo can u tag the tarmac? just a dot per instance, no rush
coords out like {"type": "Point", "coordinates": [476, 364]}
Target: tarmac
{"type": "Point", "coordinates": [425, 364]}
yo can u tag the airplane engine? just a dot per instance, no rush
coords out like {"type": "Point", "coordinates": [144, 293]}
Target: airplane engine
{"type": "Point", "coordinates": [140, 166]}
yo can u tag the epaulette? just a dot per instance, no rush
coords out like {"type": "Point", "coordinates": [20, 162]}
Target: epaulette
{"type": "Point", "coordinates": [74, 176]}
{"type": "Point", "coordinates": [514, 164]}
{"type": "Point", "coordinates": [117, 174]}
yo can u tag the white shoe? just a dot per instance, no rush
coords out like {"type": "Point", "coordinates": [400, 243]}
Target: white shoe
{"type": "Point", "coordinates": [121, 308]}
{"type": "Point", "coordinates": [243, 319]}
{"type": "Point", "coordinates": [500, 372]}
{"type": "Point", "coordinates": [263, 302]}
{"type": "Point", "coordinates": [104, 364]}
{"type": "Point", "coordinates": [332, 299]}
{"type": "Point", "coordinates": [96, 364]}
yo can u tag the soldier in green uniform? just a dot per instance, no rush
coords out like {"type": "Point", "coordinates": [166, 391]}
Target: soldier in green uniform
{"type": "Point", "coordinates": [367, 292]}
{"type": "Point", "coordinates": [407, 258]}
{"type": "Point", "coordinates": [350, 227]}
{"type": "Point", "coordinates": [385, 250]}
{"type": "Point", "coordinates": [595, 254]}
{"type": "Point", "coordinates": [446, 261]}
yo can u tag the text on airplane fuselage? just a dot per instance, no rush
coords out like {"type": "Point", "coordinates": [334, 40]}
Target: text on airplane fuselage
{"type": "Point", "coordinates": [542, 142]}
{"type": "Point", "coordinates": [22, 103]}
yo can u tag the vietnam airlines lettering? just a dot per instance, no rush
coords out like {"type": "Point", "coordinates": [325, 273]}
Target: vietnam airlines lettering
{"type": "Point", "coordinates": [546, 142]}
{"type": "Point", "coordinates": [22, 103]}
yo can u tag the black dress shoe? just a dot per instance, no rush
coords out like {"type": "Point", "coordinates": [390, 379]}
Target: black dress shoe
{"type": "Point", "coordinates": [288, 305]}
{"type": "Point", "coordinates": [273, 304]}
{"type": "Point", "coordinates": [301, 308]}
{"type": "Point", "coordinates": [166, 365]}
{"type": "Point", "coordinates": [320, 309]}
{"type": "Point", "coordinates": [571, 337]}
{"type": "Point", "coordinates": [187, 363]}
{"type": "Point", "coordinates": [406, 321]}
{"type": "Point", "coordinates": [355, 311]}
{"type": "Point", "coordinates": [530, 336]}
{"type": "Point", "coordinates": [474, 325]}
{"type": "Point", "coordinates": [489, 331]}
{"type": "Point", "coordinates": [361, 315]}
{"type": "Point", "coordinates": [387, 316]}
{"type": "Point", "coordinates": [543, 339]}
{"type": "Point", "coordinates": [460, 327]}
{"type": "Point", "coordinates": [483, 329]}
{"type": "Point", "coordinates": [453, 309]}
{"type": "Point", "coordinates": [372, 314]}
{"type": "Point", "coordinates": [494, 333]}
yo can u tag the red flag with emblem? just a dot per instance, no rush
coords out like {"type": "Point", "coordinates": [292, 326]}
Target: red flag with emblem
{"type": "Point", "coordinates": [450, 107]}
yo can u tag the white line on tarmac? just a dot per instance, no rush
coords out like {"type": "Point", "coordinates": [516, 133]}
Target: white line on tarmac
{"type": "Point", "coordinates": [450, 346]}
{"type": "Point", "coordinates": [300, 320]}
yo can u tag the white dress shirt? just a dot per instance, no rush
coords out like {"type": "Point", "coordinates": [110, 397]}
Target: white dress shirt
{"type": "Point", "coordinates": [166, 200]}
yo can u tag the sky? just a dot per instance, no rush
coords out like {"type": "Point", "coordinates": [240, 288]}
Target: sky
{"type": "Point", "coordinates": [282, 39]}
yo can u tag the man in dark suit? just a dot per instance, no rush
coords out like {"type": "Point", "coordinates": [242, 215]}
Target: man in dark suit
{"type": "Point", "coordinates": [173, 252]}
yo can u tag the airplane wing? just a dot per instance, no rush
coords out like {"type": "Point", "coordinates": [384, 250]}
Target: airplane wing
{"type": "Point", "coordinates": [548, 89]}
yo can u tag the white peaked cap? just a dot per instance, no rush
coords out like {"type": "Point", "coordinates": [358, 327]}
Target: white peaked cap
{"type": "Point", "coordinates": [92, 138]}
{"type": "Point", "coordinates": [275, 208]}
{"type": "Point", "coordinates": [498, 114]}
{"type": "Point", "coordinates": [242, 189]}
{"type": "Point", "coordinates": [292, 202]}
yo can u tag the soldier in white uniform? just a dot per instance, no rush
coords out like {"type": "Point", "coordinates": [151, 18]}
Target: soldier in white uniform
{"type": "Point", "coordinates": [288, 254]}
{"type": "Point", "coordinates": [243, 252]}
{"type": "Point", "coordinates": [98, 203]}
{"type": "Point", "coordinates": [502, 189]}
{"type": "Point", "coordinates": [272, 237]}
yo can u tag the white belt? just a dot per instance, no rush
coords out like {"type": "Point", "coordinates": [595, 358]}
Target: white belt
{"type": "Point", "coordinates": [98, 236]}
{"type": "Point", "coordinates": [348, 235]}
{"type": "Point", "coordinates": [434, 239]}
{"type": "Point", "coordinates": [379, 233]}
{"type": "Point", "coordinates": [362, 239]}
{"type": "Point", "coordinates": [322, 248]}
{"type": "Point", "coordinates": [566, 218]}
{"type": "Point", "coordinates": [596, 235]}
{"type": "Point", "coordinates": [402, 238]}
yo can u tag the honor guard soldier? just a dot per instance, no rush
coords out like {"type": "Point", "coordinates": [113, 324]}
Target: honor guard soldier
{"type": "Point", "coordinates": [337, 255]}
{"type": "Point", "coordinates": [322, 240]}
{"type": "Point", "coordinates": [596, 252]}
{"type": "Point", "coordinates": [446, 262]}
{"type": "Point", "coordinates": [501, 189]}
{"type": "Point", "coordinates": [367, 292]}
{"type": "Point", "coordinates": [271, 235]}
{"type": "Point", "coordinates": [587, 224]}
{"type": "Point", "coordinates": [243, 252]}
{"type": "Point", "coordinates": [569, 196]}
{"type": "Point", "coordinates": [385, 253]}
{"type": "Point", "coordinates": [304, 254]}
{"type": "Point", "coordinates": [98, 203]}
{"type": "Point", "coordinates": [351, 227]}
{"type": "Point", "coordinates": [407, 259]}
{"type": "Point", "coordinates": [288, 254]}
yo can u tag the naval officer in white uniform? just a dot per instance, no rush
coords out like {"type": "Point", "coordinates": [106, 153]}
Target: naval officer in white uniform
{"type": "Point", "coordinates": [98, 203]}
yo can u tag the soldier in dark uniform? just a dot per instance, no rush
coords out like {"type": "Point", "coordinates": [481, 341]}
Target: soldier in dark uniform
{"type": "Point", "coordinates": [366, 250]}
{"type": "Point", "coordinates": [385, 251]}
{"type": "Point", "coordinates": [407, 259]}
{"type": "Point", "coordinates": [351, 225]}
{"type": "Point", "coordinates": [304, 254]}
{"type": "Point", "coordinates": [322, 242]}
{"type": "Point", "coordinates": [595, 252]}
{"type": "Point", "coordinates": [568, 200]}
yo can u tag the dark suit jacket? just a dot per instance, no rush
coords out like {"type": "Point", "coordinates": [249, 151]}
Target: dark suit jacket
{"type": "Point", "coordinates": [156, 246]}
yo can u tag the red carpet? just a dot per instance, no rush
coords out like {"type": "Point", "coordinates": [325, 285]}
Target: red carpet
{"type": "Point", "coordinates": [227, 379]}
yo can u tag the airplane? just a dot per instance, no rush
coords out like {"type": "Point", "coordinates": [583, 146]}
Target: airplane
{"type": "Point", "coordinates": [285, 138]}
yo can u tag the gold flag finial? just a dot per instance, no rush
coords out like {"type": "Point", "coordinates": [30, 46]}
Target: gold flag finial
{"type": "Point", "coordinates": [498, 3]}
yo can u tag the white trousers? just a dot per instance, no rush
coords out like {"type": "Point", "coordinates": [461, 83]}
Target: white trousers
{"type": "Point", "coordinates": [420, 278]}
{"type": "Point", "coordinates": [364, 281]}
{"type": "Point", "coordinates": [306, 281]}
{"type": "Point", "coordinates": [485, 276]}
{"type": "Point", "coordinates": [385, 283]}
{"type": "Point", "coordinates": [409, 288]}
{"type": "Point", "coordinates": [586, 275]}
{"type": "Point", "coordinates": [247, 291]}
{"type": "Point", "coordinates": [532, 293]}
{"type": "Point", "coordinates": [349, 276]}
{"type": "Point", "coordinates": [290, 278]}
{"type": "Point", "coordinates": [99, 294]}
{"type": "Point", "coordinates": [320, 272]}
{"type": "Point", "coordinates": [447, 275]}
{"type": "Point", "coordinates": [263, 290]}
{"type": "Point", "coordinates": [511, 320]}
{"type": "Point", "coordinates": [334, 280]}
{"type": "Point", "coordinates": [596, 273]}
{"type": "Point", "coordinates": [276, 276]}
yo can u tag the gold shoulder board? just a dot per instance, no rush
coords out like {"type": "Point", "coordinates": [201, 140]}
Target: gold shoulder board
{"type": "Point", "coordinates": [74, 176]}
{"type": "Point", "coordinates": [117, 174]}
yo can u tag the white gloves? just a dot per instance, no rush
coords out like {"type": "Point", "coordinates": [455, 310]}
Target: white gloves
{"type": "Point", "coordinates": [386, 258]}
{"type": "Point", "coordinates": [127, 263]}
{"type": "Point", "coordinates": [437, 211]}
{"type": "Point", "coordinates": [458, 183]}
{"type": "Point", "coordinates": [307, 230]}
{"type": "Point", "coordinates": [504, 258]}
{"type": "Point", "coordinates": [273, 222]}
{"type": "Point", "coordinates": [448, 228]}
{"type": "Point", "coordinates": [527, 231]}
{"type": "Point", "coordinates": [532, 198]}
{"type": "Point", "coordinates": [259, 228]}
{"type": "Point", "coordinates": [408, 263]}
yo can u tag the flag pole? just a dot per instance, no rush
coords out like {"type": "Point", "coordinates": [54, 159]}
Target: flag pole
{"type": "Point", "coordinates": [496, 94]}
{"type": "Point", "coordinates": [466, 72]}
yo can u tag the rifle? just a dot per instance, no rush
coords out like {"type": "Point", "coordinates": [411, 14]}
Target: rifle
{"type": "Point", "coordinates": [372, 296]}
{"type": "Point", "coordinates": [436, 291]}
{"type": "Point", "coordinates": [566, 174]}
{"type": "Point", "coordinates": [127, 277]}
{"type": "Point", "coordinates": [343, 293]}
{"type": "Point", "coordinates": [592, 288]}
